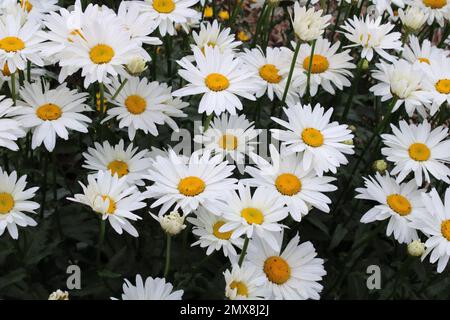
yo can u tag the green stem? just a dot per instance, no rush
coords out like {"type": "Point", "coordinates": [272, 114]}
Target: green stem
{"type": "Point", "coordinates": [291, 71]}
{"type": "Point", "coordinates": [259, 25]}
{"type": "Point", "coordinates": [244, 251]}
{"type": "Point", "coordinates": [124, 82]}
{"type": "Point", "coordinates": [29, 71]}
{"type": "Point", "coordinates": [101, 88]}
{"type": "Point", "coordinates": [168, 46]}
{"type": "Point", "coordinates": [55, 194]}
{"type": "Point", "coordinates": [353, 90]}
{"type": "Point", "coordinates": [13, 87]}
{"type": "Point", "coordinates": [168, 251]}
{"type": "Point", "coordinates": [207, 122]}
{"type": "Point", "coordinates": [311, 58]}
{"type": "Point", "coordinates": [235, 12]}
{"type": "Point", "coordinates": [44, 158]}
{"type": "Point", "coordinates": [101, 239]}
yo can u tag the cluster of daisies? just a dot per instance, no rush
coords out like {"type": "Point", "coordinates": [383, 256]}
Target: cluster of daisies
{"type": "Point", "coordinates": [238, 195]}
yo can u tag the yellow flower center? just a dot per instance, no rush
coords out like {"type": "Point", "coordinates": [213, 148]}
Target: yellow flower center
{"type": "Point", "coordinates": [445, 229]}
{"type": "Point", "coordinates": [221, 235]}
{"type": "Point", "coordinates": [243, 36]}
{"type": "Point", "coordinates": [435, 4]}
{"type": "Point", "coordinates": [252, 215]}
{"type": "Point", "coordinates": [135, 104]}
{"type": "Point", "coordinates": [119, 167]}
{"type": "Point", "coordinates": [6, 72]}
{"type": "Point", "coordinates": [6, 202]}
{"type": "Point", "coordinates": [26, 4]}
{"type": "Point", "coordinates": [12, 44]}
{"type": "Point", "coordinates": [164, 6]}
{"type": "Point", "coordinates": [319, 63]}
{"type": "Point", "coordinates": [424, 60]}
{"type": "Point", "coordinates": [191, 186]}
{"type": "Point", "coordinates": [312, 137]}
{"type": "Point", "coordinates": [217, 82]}
{"type": "Point", "coordinates": [112, 204]}
{"type": "Point", "coordinates": [49, 111]}
{"type": "Point", "coordinates": [419, 152]}
{"type": "Point", "coordinates": [269, 73]}
{"type": "Point", "coordinates": [242, 289]}
{"type": "Point", "coordinates": [443, 86]}
{"type": "Point", "coordinates": [228, 142]}
{"type": "Point", "coordinates": [224, 15]}
{"type": "Point", "coordinates": [288, 184]}
{"type": "Point", "coordinates": [277, 270]}
{"type": "Point", "coordinates": [101, 54]}
{"type": "Point", "coordinates": [208, 13]}
{"type": "Point", "coordinates": [399, 204]}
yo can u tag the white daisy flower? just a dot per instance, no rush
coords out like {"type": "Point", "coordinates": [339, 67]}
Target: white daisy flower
{"type": "Point", "coordinates": [206, 226]}
{"type": "Point", "coordinates": [118, 160]}
{"type": "Point", "coordinates": [404, 82]}
{"type": "Point", "coordinates": [37, 9]}
{"type": "Point", "coordinates": [229, 135]}
{"type": "Point", "coordinates": [102, 49]}
{"type": "Point", "coordinates": [386, 5]}
{"type": "Point", "coordinates": [270, 68]}
{"type": "Point", "coordinates": [50, 112]}
{"type": "Point", "coordinates": [221, 78]}
{"type": "Point", "coordinates": [189, 183]}
{"type": "Point", "coordinates": [259, 213]}
{"type": "Point", "coordinates": [292, 273]}
{"type": "Point", "coordinates": [426, 52]}
{"type": "Point", "coordinates": [329, 69]}
{"type": "Point", "coordinates": [437, 82]}
{"type": "Point", "coordinates": [114, 199]}
{"type": "Point", "coordinates": [167, 13]}
{"type": "Point", "coordinates": [299, 189]}
{"type": "Point", "coordinates": [309, 131]}
{"type": "Point", "coordinates": [212, 35]}
{"type": "Point", "coordinates": [141, 105]}
{"type": "Point", "coordinates": [437, 10]}
{"type": "Point", "coordinates": [309, 24]}
{"type": "Point", "coordinates": [10, 129]}
{"type": "Point", "coordinates": [418, 149]}
{"type": "Point", "coordinates": [245, 282]}
{"type": "Point", "coordinates": [434, 222]}
{"type": "Point", "coordinates": [137, 23]}
{"type": "Point", "coordinates": [19, 43]}
{"type": "Point", "coordinates": [396, 202]}
{"type": "Point", "coordinates": [372, 36]}
{"type": "Point", "coordinates": [14, 202]}
{"type": "Point", "coordinates": [152, 289]}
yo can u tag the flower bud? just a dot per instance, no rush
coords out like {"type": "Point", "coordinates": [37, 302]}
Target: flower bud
{"type": "Point", "coordinates": [172, 223]}
{"type": "Point", "coordinates": [380, 166]}
{"type": "Point", "coordinates": [416, 248]}
{"type": "Point", "coordinates": [413, 18]}
{"type": "Point", "coordinates": [136, 66]}
{"type": "Point", "coordinates": [59, 295]}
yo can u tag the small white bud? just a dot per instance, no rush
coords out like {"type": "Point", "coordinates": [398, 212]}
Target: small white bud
{"type": "Point", "coordinates": [172, 223]}
{"type": "Point", "coordinates": [136, 66]}
{"type": "Point", "coordinates": [413, 18]}
{"type": "Point", "coordinates": [59, 295]}
{"type": "Point", "coordinates": [416, 248]}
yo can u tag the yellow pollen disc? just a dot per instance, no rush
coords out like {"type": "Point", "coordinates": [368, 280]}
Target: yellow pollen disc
{"type": "Point", "coordinates": [424, 60]}
{"type": "Point", "coordinates": [112, 204]}
{"type": "Point", "coordinates": [217, 82]}
{"type": "Point", "coordinates": [312, 137]}
{"type": "Point", "coordinates": [269, 73]}
{"type": "Point", "coordinates": [208, 13]}
{"type": "Point", "coordinates": [119, 167]}
{"type": "Point", "coordinates": [277, 270]}
{"type": "Point", "coordinates": [6, 202]}
{"type": "Point", "coordinates": [241, 288]}
{"type": "Point", "coordinates": [191, 186]}
{"type": "Point", "coordinates": [163, 6]}
{"type": "Point", "coordinates": [319, 63]}
{"type": "Point", "coordinates": [252, 215]}
{"type": "Point", "coordinates": [288, 184]}
{"type": "Point", "coordinates": [443, 86]}
{"type": "Point", "coordinates": [135, 104]}
{"type": "Point", "coordinates": [435, 4]}
{"type": "Point", "coordinates": [221, 235]}
{"type": "Point", "coordinates": [49, 111]}
{"type": "Point", "coordinates": [101, 54]}
{"type": "Point", "coordinates": [228, 142]}
{"type": "Point", "coordinates": [12, 44]}
{"type": "Point", "coordinates": [399, 204]}
{"type": "Point", "coordinates": [6, 72]}
{"type": "Point", "coordinates": [419, 152]}
{"type": "Point", "coordinates": [445, 229]}
{"type": "Point", "coordinates": [26, 4]}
